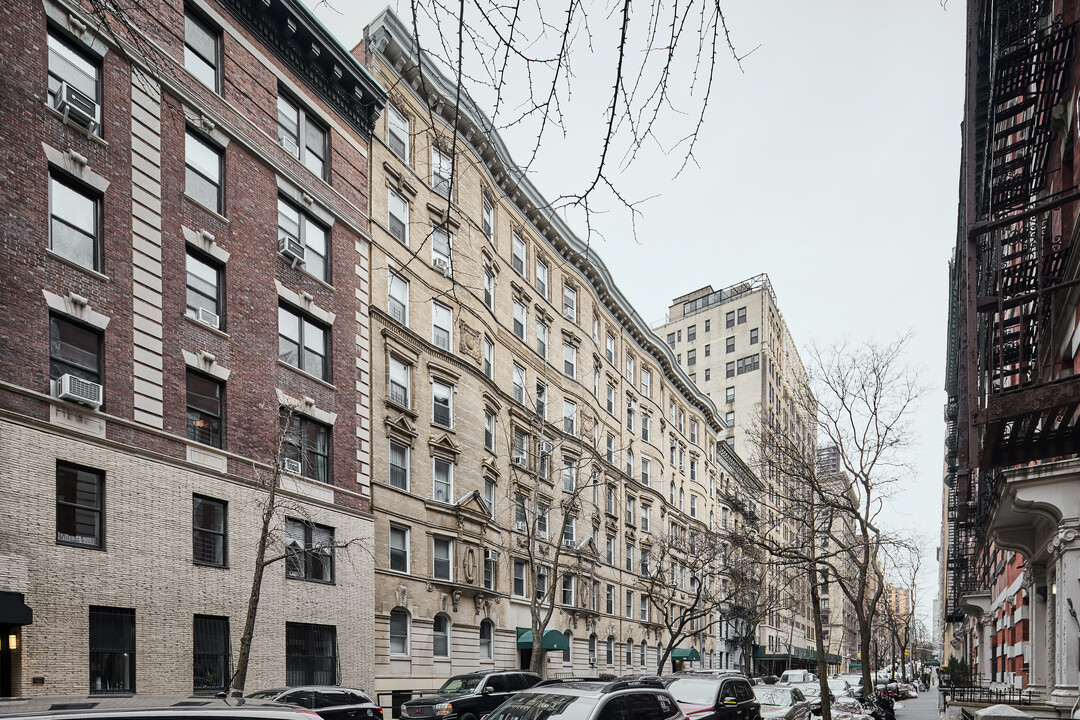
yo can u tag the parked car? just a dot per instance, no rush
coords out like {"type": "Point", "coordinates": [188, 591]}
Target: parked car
{"type": "Point", "coordinates": [577, 700]}
{"type": "Point", "coordinates": [714, 696]}
{"type": "Point", "coordinates": [790, 677]}
{"type": "Point", "coordinates": [469, 696]}
{"type": "Point", "coordinates": [812, 691]}
{"type": "Point", "coordinates": [839, 687]}
{"type": "Point", "coordinates": [782, 702]}
{"type": "Point", "coordinates": [145, 707]}
{"type": "Point", "coordinates": [328, 701]}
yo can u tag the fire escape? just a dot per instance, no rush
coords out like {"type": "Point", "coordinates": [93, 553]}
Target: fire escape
{"type": "Point", "coordinates": [1011, 272]}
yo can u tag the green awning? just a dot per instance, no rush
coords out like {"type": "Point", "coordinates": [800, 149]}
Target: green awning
{"type": "Point", "coordinates": [690, 654]}
{"type": "Point", "coordinates": [553, 640]}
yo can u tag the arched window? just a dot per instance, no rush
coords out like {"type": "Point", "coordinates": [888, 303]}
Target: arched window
{"type": "Point", "coordinates": [440, 644]}
{"type": "Point", "coordinates": [569, 644]}
{"type": "Point", "coordinates": [682, 496]}
{"type": "Point", "coordinates": [592, 649]}
{"type": "Point", "coordinates": [644, 652]}
{"type": "Point", "coordinates": [630, 463]}
{"type": "Point", "coordinates": [629, 652]}
{"type": "Point", "coordinates": [399, 631]}
{"type": "Point", "coordinates": [671, 494]}
{"type": "Point", "coordinates": [610, 651]}
{"type": "Point", "coordinates": [486, 633]}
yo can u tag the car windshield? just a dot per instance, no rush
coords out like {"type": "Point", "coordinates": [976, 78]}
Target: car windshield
{"type": "Point", "coordinates": [461, 684]}
{"type": "Point", "coordinates": [542, 706]}
{"type": "Point", "coordinates": [695, 691]}
{"type": "Point", "coordinates": [811, 690]}
{"type": "Point", "coordinates": [773, 696]}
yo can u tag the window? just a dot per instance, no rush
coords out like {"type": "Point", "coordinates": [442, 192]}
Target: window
{"type": "Point", "coordinates": [202, 50]}
{"type": "Point", "coordinates": [568, 590]}
{"type": "Point", "coordinates": [610, 502]}
{"type": "Point", "coordinates": [729, 345]}
{"type": "Point", "coordinates": [518, 255]}
{"type": "Point", "coordinates": [671, 494]}
{"type": "Point", "coordinates": [631, 408]}
{"type": "Point", "coordinates": [630, 369]}
{"type": "Point", "coordinates": [610, 348]}
{"type": "Point", "coordinates": [204, 299]}
{"type": "Point", "coordinates": [440, 631]}
{"type": "Point", "coordinates": [399, 549]}
{"type": "Point", "coordinates": [691, 333]}
{"type": "Point", "coordinates": [541, 399]}
{"type": "Point", "coordinates": [490, 556]}
{"type": "Point", "coordinates": [671, 340]}
{"type": "Point", "coordinates": [569, 474]}
{"type": "Point", "coordinates": [729, 395]}
{"type": "Point", "coordinates": [645, 470]}
{"type": "Point", "coordinates": [518, 456]}
{"type": "Point", "coordinates": [693, 431]}
{"type": "Point", "coordinates": [489, 358]}
{"type": "Point", "coordinates": [399, 382]}
{"type": "Point", "coordinates": [303, 136]}
{"type": "Point", "coordinates": [671, 412]}
{"type": "Point", "coordinates": [302, 343]}
{"type": "Point", "coordinates": [729, 418]}
{"type": "Point", "coordinates": [519, 578]}
{"type": "Point", "coordinates": [542, 278]}
{"type": "Point", "coordinates": [729, 319]}
{"type": "Point", "coordinates": [630, 601]}
{"type": "Point", "coordinates": [397, 216]}
{"type": "Point", "coordinates": [442, 170]}
{"type": "Point", "coordinates": [630, 510]}
{"type": "Point", "coordinates": [541, 339]}
{"type": "Point", "coordinates": [610, 606]}
{"type": "Point", "coordinates": [486, 636]}
{"type": "Point", "coordinates": [519, 319]}
{"type": "Point", "coordinates": [397, 132]}
{"type": "Point", "coordinates": [708, 374]}
{"type": "Point", "coordinates": [646, 421]}
{"type": "Point", "coordinates": [729, 370]}
{"type": "Point", "coordinates": [310, 654]}
{"type": "Point", "coordinates": [67, 65]}
{"type": "Point", "coordinates": [442, 559]}
{"type": "Point", "coordinates": [592, 649]}
{"type": "Point", "coordinates": [211, 654]}
{"type": "Point", "coordinates": [441, 326]}
{"type": "Point", "coordinates": [569, 417]}
{"type": "Point", "coordinates": [440, 249]}
{"type": "Point", "coordinates": [208, 531]}
{"type": "Point", "coordinates": [610, 650]}
{"type": "Point", "coordinates": [596, 382]}
{"type": "Point", "coordinates": [203, 172]}
{"type": "Point", "coordinates": [301, 229]}
{"type": "Point", "coordinates": [80, 506]}
{"type": "Point", "coordinates": [610, 551]}
{"type": "Point", "coordinates": [693, 498]}
{"type": "Point", "coordinates": [489, 219]}
{"type": "Point", "coordinates": [741, 315]}
{"type": "Point", "coordinates": [691, 357]}
{"type": "Point", "coordinates": [309, 551]}
{"type": "Point", "coordinates": [693, 469]}
{"type": "Point", "coordinates": [204, 409]}
{"type": "Point", "coordinates": [112, 650]}
{"type": "Point", "coordinates": [646, 558]}
{"type": "Point", "coordinates": [747, 364]}
{"type": "Point", "coordinates": [646, 382]}
{"type": "Point", "coordinates": [399, 631]}
{"type": "Point", "coordinates": [489, 289]}
{"type": "Point", "coordinates": [74, 223]}
{"type": "Point", "coordinates": [542, 521]}
{"type": "Point", "coordinates": [708, 324]}
{"type": "Point", "coordinates": [397, 302]}
{"type": "Point", "coordinates": [443, 480]}
{"type": "Point", "coordinates": [609, 453]}
{"type": "Point", "coordinates": [569, 303]}
{"type": "Point", "coordinates": [569, 360]}
{"type": "Point", "coordinates": [489, 430]}
{"type": "Point", "coordinates": [644, 618]}
{"type": "Point", "coordinates": [708, 350]}
{"type": "Point", "coordinates": [307, 442]}
{"type": "Point", "coordinates": [611, 399]}
{"type": "Point", "coordinates": [541, 583]}
{"type": "Point", "coordinates": [753, 336]}
{"type": "Point", "coordinates": [441, 397]}
{"type": "Point", "coordinates": [629, 557]}
{"type": "Point", "coordinates": [73, 350]}
{"type": "Point", "coordinates": [630, 462]}
{"type": "Point", "coordinates": [645, 517]}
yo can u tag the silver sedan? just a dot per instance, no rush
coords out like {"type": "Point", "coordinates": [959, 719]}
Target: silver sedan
{"type": "Point", "coordinates": [782, 703]}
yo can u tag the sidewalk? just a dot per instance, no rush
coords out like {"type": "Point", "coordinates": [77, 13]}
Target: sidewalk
{"type": "Point", "coordinates": [924, 707]}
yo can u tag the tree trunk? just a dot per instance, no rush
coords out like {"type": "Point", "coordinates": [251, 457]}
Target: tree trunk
{"type": "Point", "coordinates": [822, 653]}
{"type": "Point", "coordinates": [239, 679]}
{"type": "Point", "coordinates": [865, 635]}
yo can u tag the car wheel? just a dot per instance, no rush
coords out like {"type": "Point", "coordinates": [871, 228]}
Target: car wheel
{"type": "Point", "coordinates": [468, 716]}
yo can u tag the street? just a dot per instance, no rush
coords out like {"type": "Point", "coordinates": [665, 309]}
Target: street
{"type": "Point", "coordinates": [924, 707]}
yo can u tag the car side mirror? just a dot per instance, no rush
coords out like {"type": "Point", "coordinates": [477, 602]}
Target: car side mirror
{"type": "Point", "coordinates": [489, 689]}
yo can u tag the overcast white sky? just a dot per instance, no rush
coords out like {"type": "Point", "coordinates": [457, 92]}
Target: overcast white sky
{"type": "Point", "coordinates": [831, 163]}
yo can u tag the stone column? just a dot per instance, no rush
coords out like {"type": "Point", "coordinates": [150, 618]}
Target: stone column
{"type": "Point", "coordinates": [986, 630]}
{"type": "Point", "coordinates": [1037, 591]}
{"type": "Point", "coordinates": [1064, 548]}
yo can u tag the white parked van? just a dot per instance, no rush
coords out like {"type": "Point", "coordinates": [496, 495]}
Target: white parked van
{"type": "Point", "coordinates": [797, 676]}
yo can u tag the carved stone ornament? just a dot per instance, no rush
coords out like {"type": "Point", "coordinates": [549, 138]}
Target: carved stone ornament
{"type": "Point", "coordinates": [468, 566]}
{"type": "Point", "coordinates": [455, 598]}
{"type": "Point", "coordinates": [469, 342]}
{"type": "Point", "coordinates": [1059, 543]}
{"type": "Point", "coordinates": [444, 601]}
{"type": "Point", "coordinates": [587, 423]}
{"type": "Point", "coordinates": [402, 595]}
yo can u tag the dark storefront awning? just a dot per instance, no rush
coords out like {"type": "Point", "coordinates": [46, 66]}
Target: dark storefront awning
{"type": "Point", "coordinates": [690, 654]}
{"type": "Point", "coordinates": [553, 640]}
{"type": "Point", "coordinates": [13, 610]}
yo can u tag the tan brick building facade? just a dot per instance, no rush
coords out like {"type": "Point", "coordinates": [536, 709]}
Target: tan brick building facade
{"type": "Point", "coordinates": [503, 354]}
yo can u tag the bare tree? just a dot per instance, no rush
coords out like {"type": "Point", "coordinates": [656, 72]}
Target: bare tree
{"type": "Point", "coordinates": [273, 543]}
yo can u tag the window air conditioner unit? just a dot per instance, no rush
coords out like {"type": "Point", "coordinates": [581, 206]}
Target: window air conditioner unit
{"type": "Point", "coordinates": [567, 542]}
{"type": "Point", "coordinates": [542, 534]}
{"type": "Point", "coordinates": [519, 459]}
{"type": "Point", "coordinates": [76, 389]}
{"type": "Point", "coordinates": [290, 145]}
{"type": "Point", "coordinates": [291, 466]}
{"type": "Point", "coordinates": [493, 555]}
{"type": "Point", "coordinates": [77, 106]}
{"type": "Point", "coordinates": [210, 318]}
{"type": "Point", "coordinates": [291, 248]}
{"type": "Point", "coordinates": [569, 313]}
{"type": "Point", "coordinates": [545, 448]}
{"type": "Point", "coordinates": [441, 264]}
{"type": "Point", "coordinates": [520, 525]}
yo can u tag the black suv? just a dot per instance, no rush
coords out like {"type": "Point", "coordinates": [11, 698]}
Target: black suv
{"type": "Point", "coordinates": [469, 696]}
{"type": "Point", "coordinates": [330, 702]}
{"type": "Point", "coordinates": [725, 696]}
{"type": "Point", "coordinates": [591, 700]}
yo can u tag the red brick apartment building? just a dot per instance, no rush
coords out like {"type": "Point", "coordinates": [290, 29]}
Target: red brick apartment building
{"type": "Point", "coordinates": [184, 197]}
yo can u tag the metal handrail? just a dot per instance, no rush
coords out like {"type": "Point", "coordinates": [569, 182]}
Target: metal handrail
{"type": "Point", "coordinates": [987, 695]}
